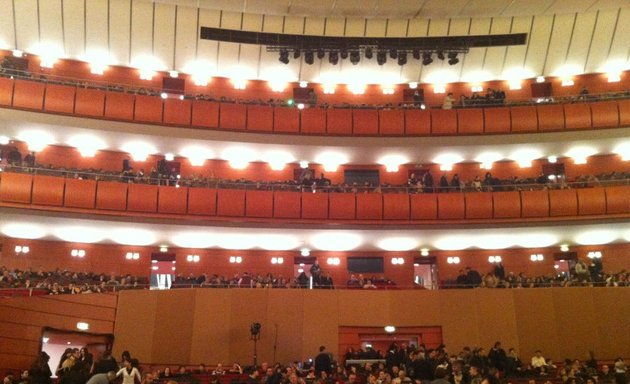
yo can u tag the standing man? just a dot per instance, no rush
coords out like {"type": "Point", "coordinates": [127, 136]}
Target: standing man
{"type": "Point", "coordinates": [323, 361]}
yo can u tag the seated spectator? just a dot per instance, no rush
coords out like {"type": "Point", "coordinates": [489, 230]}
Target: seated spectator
{"type": "Point", "coordinates": [448, 101]}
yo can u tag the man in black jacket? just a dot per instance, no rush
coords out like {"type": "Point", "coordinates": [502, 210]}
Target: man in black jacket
{"type": "Point", "coordinates": [323, 361]}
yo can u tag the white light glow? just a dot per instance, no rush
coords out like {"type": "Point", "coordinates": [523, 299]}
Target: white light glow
{"type": "Point", "coordinates": [147, 66]}
{"type": "Point", "coordinates": [564, 248]}
{"type": "Point", "coordinates": [193, 240]}
{"type": "Point", "coordinates": [357, 88]}
{"type": "Point", "coordinates": [453, 260]}
{"type": "Point", "coordinates": [277, 242]}
{"type": "Point", "coordinates": [79, 234]}
{"type": "Point", "coordinates": [17, 53]}
{"type": "Point", "coordinates": [197, 154]}
{"type": "Point", "coordinates": [36, 140]}
{"type": "Point", "coordinates": [236, 259]}
{"type": "Point", "coordinates": [393, 162]}
{"type": "Point", "coordinates": [329, 88]}
{"type": "Point", "coordinates": [596, 237]}
{"type": "Point", "coordinates": [139, 150]}
{"type": "Point", "coordinates": [537, 257]}
{"type": "Point", "coordinates": [99, 60]}
{"type": "Point", "coordinates": [173, 74]}
{"type": "Point", "coordinates": [424, 252]}
{"type": "Point", "coordinates": [303, 84]}
{"type": "Point", "coordinates": [86, 144]}
{"type": "Point", "coordinates": [398, 244]}
{"type": "Point", "coordinates": [487, 159]}
{"type": "Point", "coordinates": [567, 82]}
{"type": "Point", "coordinates": [336, 241]}
{"type": "Point", "coordinates": [23, 231]}
{"type": "Point", "coordinates": [390, 329]}
{"type": "Point", "coordinates": [536, 240]}
{"type": "Point", "coordinates": [49, 53]}
{"type": "Point", "coordinates": [83, 326]}
{"type": "Point", "coordinates": [4, 140]}
{"type": "Point", "coordinates": [441, 77]}
{"type": "Point", "coordinates": [278, 159]}
{"type": "Point", "coordinates": [333, 261]}
{"type": "Point", "coordinates": [494, 241]}
{"type": "Point", "coordinates": [169, 156]}
{"type": "Point", "coordinates": [413, 85]}
{"type": "Point", "coordinates": [447, 160]}
{"type": "Point", "coordinates": [454, 242]}
{"type": "Point", "coordinates": [331, 160]}
{"type": "Point", "coordinates": [579, 154]}
{"type": "Point", "coordinates": [494, 259]}
{"type": "Point", "coordinates": [200, 71]}
{"type": "Point", "coordinates": [397, 261]}
{"type": "Point", "coordinates": [303, 164]}
{"type": "Point", "coordinates": [236, 241]}
{"type": "Point", "coordinates": [132, 236]}
{"type": "Point", "coordinates": [552, 159]}
{"type": "Point", "coordinates": [301, 106]}
{"type": "Point", "coordinates": [623, 150]}
{"type": "Point", "coordinates": [439, 88]}
{"type": "Point", "coordinates": [594, 255]}
{"type": "Point", "coordinates": [305, 252]}
{"type": "Point", "coordinates": [238, 157]}
{"type": "Point", "coordinates": [524, 157]}
{"type": "Point", "coordinates": [540, 79]}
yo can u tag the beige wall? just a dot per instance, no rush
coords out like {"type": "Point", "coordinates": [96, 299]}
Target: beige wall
{"type": "Point", "coordinates": [212, 325]}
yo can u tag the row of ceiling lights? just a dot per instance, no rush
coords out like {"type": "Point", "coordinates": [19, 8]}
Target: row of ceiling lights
{"type": "Point", "coordinates": [240, 157]}
{"type": "Point", "coordinates": [400, 56]}
{"type": "Point", "coordinates": [201, 73]}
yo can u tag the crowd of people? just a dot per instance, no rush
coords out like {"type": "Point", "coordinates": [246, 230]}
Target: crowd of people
{"type": "Point", "coordinates": [406, 363]}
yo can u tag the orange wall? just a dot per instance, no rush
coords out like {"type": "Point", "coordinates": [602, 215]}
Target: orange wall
{"type": "Point", "coordinates": [212, 325]}
{"type": "Point", "coordinates": [102, 258]}
{"type": "Point", "coordinates": [67, 157]}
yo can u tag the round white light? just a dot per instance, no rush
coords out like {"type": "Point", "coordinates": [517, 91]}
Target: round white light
{"type": "Point", "coordinates": [305, 252]}
{"type": "Point", "coordinates": [390, 329]}
{"type": "Point", "coordinates": [303, 164]}
{"type": "Point", "coordinates": [87, 145]}
{"type": "Point", "coordinates": [36, 140]}
{"type": "Point", "coordinates": [23, 231]}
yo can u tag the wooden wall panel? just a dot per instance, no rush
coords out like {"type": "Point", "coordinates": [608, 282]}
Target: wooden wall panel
{"type": "Point", "coordinates": [417, 122]}
{"type": "Point", "coordinates": [339, 121]}
{"type": "Point", "coordinates": [287, 205]}
{"type": "Point", "coordinates": [111, 195]}
{"type": "Point", "coordinates": [369, 206]}
{"type": "Point", "coordinates": [443, 121]}
{"type": "Point", "coordinates": [424, 206]}
{"type": "Point", "coordinates": [470, 120]}
{"type": "Point", "coordinates": [177, 112]}
{"type": "Point", "coordinates": [28, 94]}
{"type": "Point", "coordinates": [391, 121]}
{"type": "Point", "coordinates": [396, 206]}
{"type": "Point", "coordinates": [16, 187]}
{"type": "Point", "coordinates": [550, 117]}
{"type": "Point", "coordinates": [89, 102]}
{"type": "Point", "coordinates": [365, 122]}
{"type": "Point", "coordinates": [286, 120]}
{"type": "Point", "coordinates": [172, 199]}
{"type": "Point", "coordinates": [48, 190]}
{"type": "Point", "coordinates": [314, 205]}
{"type": "Point", "coordinates": [451, 206]}
{"type": "Point", "coordinates": [259, 118]}
{"type": "Point", "coordinates": [259, 204]}
{"type": "Point", "coordinates": [605, 114]}
{"type": "Point", "coordinates": [119, 106]}
{"type": "Point", "coordinates": [202, 201]}
{"type": "Point", "coordinates": [524, 119]}
{"type": "Point", "coordinates": [617, 200]}
{"type": "Point", "coordinates": [313, 121]}
{"type": "Point", "coordinates": [205, 114]}
{"type": "Point", "coordinates": [59, 98]}
{"type": "Point", "coordinates": [80, 193]}
{"type": "Point", "coordinates": [148, 109]}
{"type": "Point", "coordinates": [230, 202]}
{"type": "Point", "coordinates": [479, 205]}
{"type": "Point", "coordinates": [591, 201]}
{"type": "Point", "coordinates": [578, 116]}
{"type": "Point", "coordinates": [497, 120]}
{"type": "Point", "coordinates": [563, 202]}
{"type": "Point", "coordinates": [506, 204]}
{"type": "Point", "coordinates": [6, 91]}
{"type": "Point", "coordinates": [232, 116]}
{"type": "Point", "coordinates": [624, 112]}
{"type": "Point", "coordinates": [142, 198]}
{"type": "Point", "coordinates": [342, 206]}
{"type": "Point", "coordinates": [535, 203]}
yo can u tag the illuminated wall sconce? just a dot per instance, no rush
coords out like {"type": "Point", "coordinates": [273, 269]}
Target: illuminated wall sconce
{"type": "Point", "coordinates": [80, 253]}
{"type": "Point", "coordinates": [22, 249]}
{"type": "Point", "coordinates": [333, 261]}
{"type": "Point", "coordinates": [192, 258]}
{"type": "Point", "coordinates": [83, 326]}
{"type": "Point", "coordinates": [594, 255]}
{"type": "Point", "coordinates": [453, 260]}
{"type": "Point", "coordinates": [537, 257]}
{"type": "Point", "coordinates": [236, 259]}
{"type": "Point", "coordinates": [494, 259]}
{"type": "Point", "coordinates": [564, 248]}
{"type": "Point", "coordinates": [277, 260]}
{"type": "Point", "coordinates": [134, 256]}
{"type": "Point", "coordinates": [398, 261]}
{"type": "Point", "coordinates": [424, 252]}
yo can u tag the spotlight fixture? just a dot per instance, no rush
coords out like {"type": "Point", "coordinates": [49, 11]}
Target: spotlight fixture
{"type": "Point", "coordinates": [309, 57]}
{"type": "Point", "coordinates": [344, 54]}
{"type": "Point", "coordinates": [416, 54]}
{"type": "Point", "coordinates": [333, 58]}
{"type": "Point", "coordinates": [402, 58]}
{"type": "Point", "coordinates": [452, 58]}
{"type": "Point", "coordinates": [254, 329]}
{"type": "Point", "coordinates": [393, 53]}
{"type": "Point", "coordinates": [369, 53]}
{"type": "Point", "coordinates": [284, 57]}
{"type": "Point", "coordinates": [381, 57]}
{"type": "Point", "coordinates": [426, 58]}
{"type": "Point", "coordinates": [296, 54]}
{"type": "Point", "coordinates": [355, 57]}
{"type": "Point", "coordinates": [440, 55]}
{"type": "Point", "coordinates": [321, 54]}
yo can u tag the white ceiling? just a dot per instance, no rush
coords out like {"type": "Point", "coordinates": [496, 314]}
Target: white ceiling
{"type": "Point", "coordinates": [565, 36]}
{"type": "Point", "coordinates": [34, 226]}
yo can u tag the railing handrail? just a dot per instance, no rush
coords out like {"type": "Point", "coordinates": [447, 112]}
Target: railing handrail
{"type": "Point", "coordinates": [194, 182]}
{"type": "Point", "coordinates": [466, 102]}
